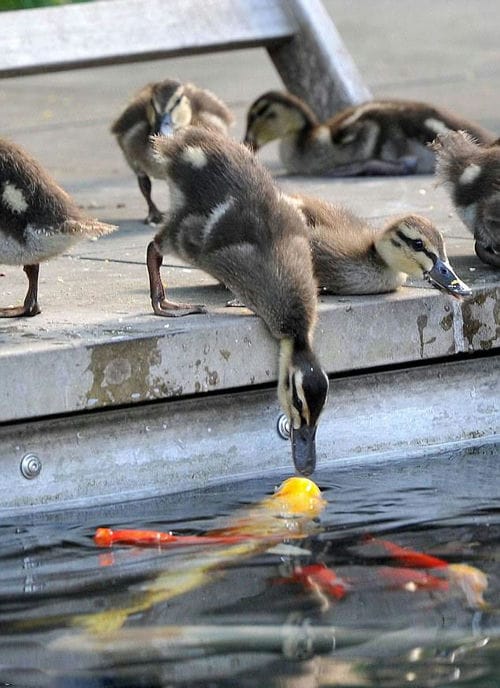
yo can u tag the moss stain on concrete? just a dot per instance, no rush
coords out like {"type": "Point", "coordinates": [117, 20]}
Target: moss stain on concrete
{"type": "Point", "coordinates": [121, 373]}
{"type": "Point", "coordinates": [422, 322]}
{"type": "Point", "coordinates": [447, 322]}
{"type": "Point", "coordinates": [481, 321]}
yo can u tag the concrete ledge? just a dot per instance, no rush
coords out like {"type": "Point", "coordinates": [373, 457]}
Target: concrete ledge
{"type": "Point", "coordinates": [109, 456]}
{"type": "Point", "coordinates": [84, 367]}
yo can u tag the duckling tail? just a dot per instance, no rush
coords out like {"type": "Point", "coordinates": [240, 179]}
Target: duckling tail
{"type": "Point", "coordinates": [88, 227]}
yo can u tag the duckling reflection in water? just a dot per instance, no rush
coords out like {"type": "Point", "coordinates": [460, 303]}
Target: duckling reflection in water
{"type": "Point", "coordinates": [228, 218]}
{"type": "Point", "coordinates": [471, 173]}
{"type": "Point", "coordinates": [38, 221]}
{"type": "Point", "coordinates": [162, 108]}
{"type": "Point", "coordinates": [352, 257]}
{"type": "Point", "coordinates": [378, 137]}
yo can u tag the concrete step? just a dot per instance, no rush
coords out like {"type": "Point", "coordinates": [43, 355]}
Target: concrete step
{"type": "Point", "coordinates": [102, 457]}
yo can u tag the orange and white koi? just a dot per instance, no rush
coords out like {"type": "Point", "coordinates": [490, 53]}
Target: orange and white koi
{"type": "Point", "coordinates": [471, 581]}
{"type": "Point", "coordinates": [318, 577]}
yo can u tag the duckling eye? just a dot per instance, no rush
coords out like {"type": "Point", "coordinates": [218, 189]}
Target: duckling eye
{"type": "Point", "coordinates": [418, 244]}
{"type": "Point", "coordinates": [256, 114]}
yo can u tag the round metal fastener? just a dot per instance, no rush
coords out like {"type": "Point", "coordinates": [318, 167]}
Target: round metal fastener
{"type": "Point", "coordinates": [283, 427]}
{"type": "Point", "coordinates": [30, 466]}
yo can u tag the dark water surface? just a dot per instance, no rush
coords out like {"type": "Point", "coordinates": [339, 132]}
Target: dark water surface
{"type": "Point", "coordinates": [182, 617]}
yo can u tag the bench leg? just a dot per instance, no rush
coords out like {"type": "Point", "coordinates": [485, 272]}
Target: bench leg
{"type": "Point", "coordinates": [315, 64]}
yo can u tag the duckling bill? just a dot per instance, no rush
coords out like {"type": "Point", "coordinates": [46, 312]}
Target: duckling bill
{"type": "Point", "coordinates": [38, 220]}
{"type": "Point", "coordinates": [377, 137]}
{"type": "Point", "coordinates": [352, 257]}
{"type": "Point", "coordinates": [163, 107]}
{"type": "Point", "coordinates": [471, 173]}
{"type": "Point", "coordinates": [229, 219]}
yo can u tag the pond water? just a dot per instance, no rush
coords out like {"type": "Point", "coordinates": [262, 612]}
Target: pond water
{"type": "Point", "coordinates": [340, 606]}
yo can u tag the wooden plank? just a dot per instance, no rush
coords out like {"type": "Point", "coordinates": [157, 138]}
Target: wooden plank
{"type": "Point", "coordinates": [315, 64]}
{"type": "Point", "coordinates": [81, 35]}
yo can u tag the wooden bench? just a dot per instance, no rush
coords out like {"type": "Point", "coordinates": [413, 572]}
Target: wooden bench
{"type": "Point", "coordinates": [299, 36]}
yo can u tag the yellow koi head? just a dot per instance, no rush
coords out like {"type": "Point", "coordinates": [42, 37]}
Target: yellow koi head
{"type": "Point", "coordinates": [298, 496]}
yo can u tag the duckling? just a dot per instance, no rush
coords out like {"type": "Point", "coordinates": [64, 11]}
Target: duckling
{"type": "Point", "coordinates": [472, 174]}
{"type": "Point", "coordinates": [164, 107]}
{"type": "Point", "coordinates": [229, 219]}
{"type": "Point", "coordinates": [377, 137]}
{"type": "Point", "coordinates": [351, 257]}
{"type": "Point", "coordinates": [38, 220]}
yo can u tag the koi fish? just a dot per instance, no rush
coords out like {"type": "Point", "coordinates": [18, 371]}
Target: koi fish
{"type": "Point", "coordinates": [283, 514]}
{"type": "Point", "coordinates": [409, 557]}
{"type": "Point", "coordinates": [319, 578]}
{"type": "Point", "coordinates": [288, 513]}
{"type": "Point", "coordinates": [469, 579]}
{"type": "Point", "coordinates": [106, 537]}
{"type": "Point", "coordinates": [412, 579]}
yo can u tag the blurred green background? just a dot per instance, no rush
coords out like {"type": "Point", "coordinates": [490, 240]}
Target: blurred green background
{"type": "Point", "coordinates": [27, 4]}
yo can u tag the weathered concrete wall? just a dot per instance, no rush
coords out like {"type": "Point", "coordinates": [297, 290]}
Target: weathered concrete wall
{"type": "Point", "coordinates": [178, 445]}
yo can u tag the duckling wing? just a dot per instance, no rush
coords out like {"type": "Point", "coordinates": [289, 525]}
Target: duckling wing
{"type": "Point", "coordinates": [29, 197]}
{"type": "Point", "coordinates": [491, 220]}
{"type": "Point", "coordinates": [134, 112]}
{"type": "Point", "coordinates": [38, 219]}
{"type": "Point", "coordinates": [277, 285]}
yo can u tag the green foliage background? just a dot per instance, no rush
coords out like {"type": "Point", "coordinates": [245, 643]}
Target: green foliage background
{"type": "Point", "coordinates": [28, 4]}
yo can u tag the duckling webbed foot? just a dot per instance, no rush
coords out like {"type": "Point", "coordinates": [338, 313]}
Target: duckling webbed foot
{"type": "Point", "coordinates": [154, 216]}
{"type": "Point", "coordinates": [30, 306]}
{"type": "Point", "coordinates": [402, 166]}
{"type": "Point", "coordinates": [19, 311]}
{"type": "Point", "coordinates": [161, 305]}
{"type": "Point", "coordinates": [174, 309]}
{"type": "Point", "coordinates": [487, 255]}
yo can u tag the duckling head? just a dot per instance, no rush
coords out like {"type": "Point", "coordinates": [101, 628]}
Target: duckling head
{"type": "Point", "coordinates": [412, 245]}
{"type": "Point", "coordinates": [276, 115]}
{"type": "Point", "coordinates": [169, 108]}
{"type": "Point", "coordinates": [302, 391]}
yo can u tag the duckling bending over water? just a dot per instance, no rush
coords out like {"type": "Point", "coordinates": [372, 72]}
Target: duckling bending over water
{"type": "Point", "coordinates": [228, 218]}
{"type": "Point", "coordinates": [352, 257]}
{"type": "Point", "coordinates": [378, 137]}
{"type": "Point", "coordinates": [38, 220]}
{"type": "Point", "coordinates": [472, 174]}
{"type": "Point", "coordinates": [164, 107]}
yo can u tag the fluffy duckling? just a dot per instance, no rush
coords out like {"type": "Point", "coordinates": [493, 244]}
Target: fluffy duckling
{"type": "Point", "coordinates": [228, 218]}
{"type": "Point", "coordinates": [377, 137]}
{"type": "Point", "coordinates": [351, 257]}
{"type": "Point", "coordinates": [162, 108]}
{"type": "Point", "coordinates": [38, 220]}
{"type": "Point", "coordinates": [472, 174]}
